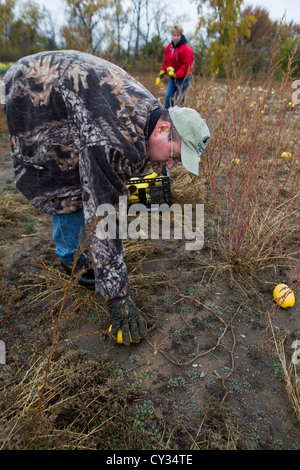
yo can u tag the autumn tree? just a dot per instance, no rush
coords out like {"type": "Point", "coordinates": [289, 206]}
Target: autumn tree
{"type": "Point", "coordinates": [83, 17]}
{"type": "Point", "coordinates": [289, 52]}
{"type": "Point", "coordinates": [157, 18]}
{"type": "Point", "coordinates": [23, 34]}
{"type": "Point", "coordinates": [149, 24]}
{"type": "Point", "coordinates": [137, 9]}
{"type": "Point", "coordinates": [144, 15]}
{"type": "Point", "coordinates": [253, 50]}
{"type": "Point", "coordinates": [223, 26]}
{"type": "Point", "coordinates": [6, 20]}
{"type": "Point", "coordinates": [116, 21]}
{"type": "Point", "coordinates": [120, 19]}
{"type": "Point", "coordinates": [50, 31]}
{"type": "Point", "coordinates": [32, 16]}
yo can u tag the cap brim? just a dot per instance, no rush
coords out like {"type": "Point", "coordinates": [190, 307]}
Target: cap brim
{"type": "Point", "coordinates": [189, 159]}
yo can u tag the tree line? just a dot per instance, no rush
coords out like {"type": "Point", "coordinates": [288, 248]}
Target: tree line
{"type": "Point", "coordinates": [227, 38]}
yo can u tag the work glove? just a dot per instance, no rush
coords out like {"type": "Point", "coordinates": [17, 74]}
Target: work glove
{"type": "Point", "coordinates": [125, 315]}
{"type": "Point", "coordinates": [171, 72]}
{"type": "Point", "coordinates": [161, 74]}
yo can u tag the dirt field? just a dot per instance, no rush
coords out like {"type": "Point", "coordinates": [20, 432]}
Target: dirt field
{"type": "Point", "coordinates": [207, 377]}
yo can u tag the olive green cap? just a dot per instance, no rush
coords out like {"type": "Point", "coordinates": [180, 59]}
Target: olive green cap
{"type": "Point", "coordinates": [194, 135]}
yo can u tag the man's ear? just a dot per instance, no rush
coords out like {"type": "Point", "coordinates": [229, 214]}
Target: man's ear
{"type": "Point", "coordinates": [162, 127]}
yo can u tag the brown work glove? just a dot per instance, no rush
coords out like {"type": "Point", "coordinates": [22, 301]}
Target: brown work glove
{"type": "Point", "coordinates": [126, 315]}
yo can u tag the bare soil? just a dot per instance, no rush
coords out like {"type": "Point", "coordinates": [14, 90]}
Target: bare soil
{"type": "Point", "coordinates": [207, 377]}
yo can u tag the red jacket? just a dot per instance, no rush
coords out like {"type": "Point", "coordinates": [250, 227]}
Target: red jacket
{"type": "Point", "coordinates": [180, 57]}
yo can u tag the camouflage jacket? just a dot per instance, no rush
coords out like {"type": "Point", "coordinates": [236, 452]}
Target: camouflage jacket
{"type": "Point", "coordinates": [78, 129]}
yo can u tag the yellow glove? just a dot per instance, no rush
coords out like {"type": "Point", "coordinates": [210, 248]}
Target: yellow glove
{"type": "Point", "coordinates": [161, 73]}
{"type": "Point", "coordinates": [171, 72]}
{"type": "Point", "coordinates": [157, 81]}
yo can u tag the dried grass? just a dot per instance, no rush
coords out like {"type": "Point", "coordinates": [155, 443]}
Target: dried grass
{"type": "Point", "coordinates": [290, 368]}
{"type": "Point", "coordinates": [14, 207]}
{"type": "Point", "coordinates": [252, 190]}
{"type": "Point", "coordinates": [81, 405]}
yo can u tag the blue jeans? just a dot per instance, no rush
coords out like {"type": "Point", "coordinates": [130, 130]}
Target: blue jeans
{"type": "Point", "coordinates": [66, 230]}
{"type": "Point", "coordinates": [176, 92]}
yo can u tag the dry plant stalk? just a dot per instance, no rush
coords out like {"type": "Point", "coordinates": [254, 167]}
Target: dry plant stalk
{"type": "Point", "coordinates": [6, 295]}
{"type": "Point", "coordinates": [291, 373]}
{"type": "Point", "coordinates": [253, 190]}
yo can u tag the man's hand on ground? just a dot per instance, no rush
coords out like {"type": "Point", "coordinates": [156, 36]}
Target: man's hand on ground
{"type": "Point", "coordinates": [126, 315]}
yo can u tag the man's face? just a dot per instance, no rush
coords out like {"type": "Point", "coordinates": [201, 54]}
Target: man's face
{"type": "Point", "coordinates": [176, 38]}
{"type": "Point", "coordinates": [161, 150]}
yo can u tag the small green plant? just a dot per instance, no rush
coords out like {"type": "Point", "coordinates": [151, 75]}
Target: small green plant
{"type": "Point", "coordinates": [234, 385]}
{"type": "Point", "coordinates": [133, 358]}
{"type": "Point", "coordinates": [175, 336]}
{"type": "Point", "coordinates": [117, 371]}
{"type": "Point", "coordinates": [176, 382]}
{"type": "Point", "coordinates": [278, 371]}
{"type": "Point", "coordinates": [277, 443]}
{"type": "Point", "coordinates": [142, 374]}
{"type": "Point", "coordinates": [147, 371]}
{"type": "Point", "coordinates": [144, 411]}
{"type": "Point", "coordinates": [194, 374]}
{"type": "Point", "coordinates": [145, 426]}
{"type": "Point", "coordinates": [186, 310]}
{"type": "Point", "coordinates": [82, 352]}
{"type": "Point", "coordinates": [30, 228]}
{"type": "Point", "coordinates": [94, 319]}
{"type": "Point", "coordinates": [191, 291]}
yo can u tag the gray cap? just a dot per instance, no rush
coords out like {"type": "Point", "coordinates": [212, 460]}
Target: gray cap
{"type": "Point", "coordinates": [194, 135]}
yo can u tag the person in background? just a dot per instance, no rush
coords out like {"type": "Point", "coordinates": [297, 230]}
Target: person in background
{"type": "Point", "coordinates": [178, 65]}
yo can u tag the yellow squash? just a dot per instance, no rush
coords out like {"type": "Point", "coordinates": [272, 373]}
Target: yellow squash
{"type": "Point", "coordinates": [284, 295]}
{"type": "Point", "coordinates": [119, 335]}
{"type": "Point", "coordinates": [286, 154]}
